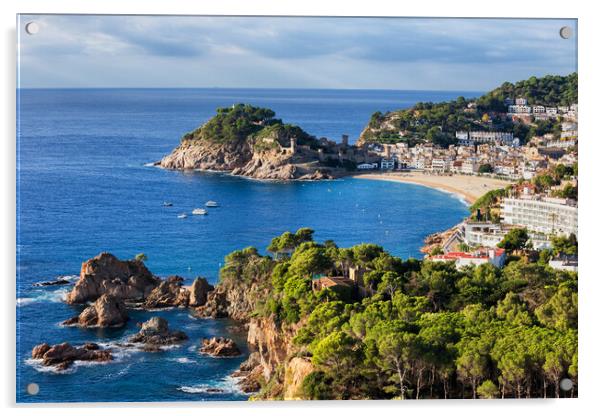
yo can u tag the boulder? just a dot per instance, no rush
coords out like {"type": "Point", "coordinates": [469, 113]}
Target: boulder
{"type": "Point", "coordinates": [198, 292]}
{"type": "Point", "coordinates": [39, 351]}
{"type": "Point", "coordinates": [105, 273]}
{"type": "Point", "coordinates": [169, 293]}
{"type": "Point", "coordinates": [155, 332]}
{"type": "Point", "coordinates": [219, 347]}
{"type": "Point", "coordinates": [61, 356]}
{"type": "Point", "coordinates": [107, 311]}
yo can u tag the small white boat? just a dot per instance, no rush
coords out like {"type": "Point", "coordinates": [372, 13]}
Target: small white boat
{"type": "Point", "coordinates": [211, 204]}
{"type": "Point", "coordinates": [199, 211]}
{"type": "Point", "coordinates": [183, 215]}
{"type": "Point", "coordinates": [167, 204]}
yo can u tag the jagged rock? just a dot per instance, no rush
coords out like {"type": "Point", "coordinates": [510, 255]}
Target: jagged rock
{"type": "Point", "coordinates": [155, 332]}
{"type": "Point", "coordinates": [105, 273]}
{"type": "Point", "coordinates": [199, 291]}
{"type": "Point", "coordinates": [169, 293]}
{"type": "Point", "coordinates": [216, 305]}
{"type": "Point", "coordinates": [105, 312]}
{"type": "Point", "coordinates": [39, 351]}
{"type": "Point", "coordinates": [252, 381]}
{"type": "Point", "coordinates": [63, 355]}
{"type": "Point", "coordinates": [219, 347]}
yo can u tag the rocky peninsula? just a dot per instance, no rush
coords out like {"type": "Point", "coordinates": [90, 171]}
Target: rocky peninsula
{"type": "Point", "coordinates": [249, 141]}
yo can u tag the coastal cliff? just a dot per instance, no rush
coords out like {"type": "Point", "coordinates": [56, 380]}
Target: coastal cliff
{"type": "Point", "coordinates": [248, 141]}
{"type": "Point", "coordinates": [245, 288]}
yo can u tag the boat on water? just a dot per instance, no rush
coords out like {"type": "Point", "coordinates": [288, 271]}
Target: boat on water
{"type": "Point", "coordinates": [199, 211]}
{"type": "Point", "coordinates": [183, 215]}
{"type": "Point", "coordinates": [211, 204]}
{"type": "Point", "coordinates": [167, 204]}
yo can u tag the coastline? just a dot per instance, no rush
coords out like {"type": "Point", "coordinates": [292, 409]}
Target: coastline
{"type": "Point", "coordinates": [468, 187]}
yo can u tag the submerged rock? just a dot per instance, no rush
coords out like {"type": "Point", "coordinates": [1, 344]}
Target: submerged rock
{"type": "Point", "coordinates": [57, 282]}
{"type": "Point", "coordinates": [198, 292]}
{"type": "Point", "coordinates": [155, 332]}
{"type": "Point", "coordinates": [219, 347]}
{"type": "Point", "coordinates": [63, 355]}
{"type": "Point", "coordinates": [105, 273]}
{"type": "Point", "coordinates": [105, 312]}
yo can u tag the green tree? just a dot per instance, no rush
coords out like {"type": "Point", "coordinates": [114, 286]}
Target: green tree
{"type": "Point", "coordinates": [396, 351]}
{"type": "Point", "coordinates": [488, 390]}
{"type": "Point", "coordinates": [516, 239]}
{"type": "Point", "coordinates": [560, 312]}
{"type": "Point", "coordinates": [472, 368]}
{"type": "Point", "coordinates": [141, 257]}
{"type": "Point", "coordinates": [485, 168]}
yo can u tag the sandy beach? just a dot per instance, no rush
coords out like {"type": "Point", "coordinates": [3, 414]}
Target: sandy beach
{"type": "Point", "coordinates": [469, 187]}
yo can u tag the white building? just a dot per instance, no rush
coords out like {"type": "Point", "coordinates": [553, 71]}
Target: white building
{"type": "Point", "coordinates": [483, 233]}
{"type": "Point", "coordinates": [479, 137]}
{"type": "Point", "coordinates": [495, 256]}
{"type": "Point", "coordinates": [541, 215]}
{"type": "Point", "coordinates": [537, 109]}
{"type": "Point", "coordinates": [387, 164]}
{"type": "Point", "coordinates": [367, 166]}
{"type": "Point", "coordinates": [519, 109]}
{"type": "Point", "coordinates": [440, 165]}
{"type": "Point", "coordinates": [520, 101]}
{"type": "Point", "coordinates": [469, 167]}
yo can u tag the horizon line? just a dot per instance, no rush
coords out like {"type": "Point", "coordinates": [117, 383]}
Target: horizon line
{"type": "Point", "coordinates": [247, 88]}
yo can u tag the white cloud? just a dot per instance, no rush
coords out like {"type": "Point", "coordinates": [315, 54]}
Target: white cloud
{"type": "Point", "coordinates": [152, 51]}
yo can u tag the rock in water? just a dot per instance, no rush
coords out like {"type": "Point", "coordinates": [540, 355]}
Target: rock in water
{"type": "Point", "coordinates": [155, 332]}
{"type": "Point", "coordinates": [199, 291]}
{"type": "Point", "coordinates": [63, 355]}
{"type": "Point", "coordinates": [105, 312]}
{"type": "Point", "coordinates": [219, 347]}
{"type": "Point", "coordinates": [105, 273]}
{"type": "Point", "coordinates": [169, 293]}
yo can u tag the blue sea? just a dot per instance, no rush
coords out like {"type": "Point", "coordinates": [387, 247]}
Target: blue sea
{"type": "Point", "coordinates": [85, 186]}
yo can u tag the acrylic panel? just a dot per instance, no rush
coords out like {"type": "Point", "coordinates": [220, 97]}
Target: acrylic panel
{"type": "Point", "coordinates": [317, 208]}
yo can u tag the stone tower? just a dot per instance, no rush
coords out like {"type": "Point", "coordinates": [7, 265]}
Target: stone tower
{"type": "Point", "coordinates": [345, 140]}
{"type": "Point", "coordinates": [293, 145]}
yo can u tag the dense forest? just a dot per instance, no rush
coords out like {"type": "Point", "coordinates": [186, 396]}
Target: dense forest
{"type": "Point", "coordinates": [438, 122]}
{"type": "Point", "coordinates": [425, 330]}
{"type": "Point", "coordinates": [246, 122]}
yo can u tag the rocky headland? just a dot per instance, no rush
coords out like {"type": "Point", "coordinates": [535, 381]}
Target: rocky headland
{"type": "Point", "coordinates": [248, 141]}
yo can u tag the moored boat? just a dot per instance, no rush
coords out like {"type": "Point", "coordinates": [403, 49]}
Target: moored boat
{"type": "Point", "coordinates": [199, 211]}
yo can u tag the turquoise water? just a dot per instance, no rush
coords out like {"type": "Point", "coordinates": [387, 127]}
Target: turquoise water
{"type": "Point", "coordinates": [83, 188]}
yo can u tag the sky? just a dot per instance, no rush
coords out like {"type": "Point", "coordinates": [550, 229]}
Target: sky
{"type": "Point", "coordinates": [79, 51]}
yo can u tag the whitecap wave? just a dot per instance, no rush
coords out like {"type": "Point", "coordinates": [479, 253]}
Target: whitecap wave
{"type": "Point", "coordinates": [39, 367]}
{"type": "Point", "coordinates": [227, 385]}
{"type": "Point", "coordinates": [44, 296]}
{"type": "Point", "coordinates": [183, 360]}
